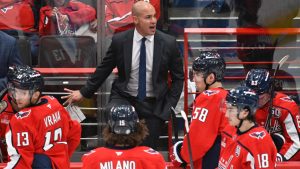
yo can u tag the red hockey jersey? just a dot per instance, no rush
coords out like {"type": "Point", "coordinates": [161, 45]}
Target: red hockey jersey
{"type": "Point", "coordinates": [5, 116]}
{"type": "Point", "coordinates": [16, 15]}
{"type": "Point", "coordinates": [286, 121]}
{"type": "Point", "coordinates": [78, 13]}
{"type": "Point", "coordinates": [118, 14]}
{"type": "Point", "coordinates": [43, 129]}
{"type": "Point", "coordinates": [251, 149]}
{"type": "Point", "coordinates": [208, 120]}
{"type": "Point", "coordinates": [140, 157]}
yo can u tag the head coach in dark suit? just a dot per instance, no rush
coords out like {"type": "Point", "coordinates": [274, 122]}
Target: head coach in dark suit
{"type": "Point", "coordinates": [162, 59]}
{"type": "Point", "coordinates": [9, 55]}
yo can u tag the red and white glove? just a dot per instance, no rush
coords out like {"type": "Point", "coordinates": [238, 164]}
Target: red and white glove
{"type": "Point", "coordinates": [278, 140]}
{"type": "Point", "coordinates": [175, 157]}
{"type": "Point", "coordinates": [280, 157]}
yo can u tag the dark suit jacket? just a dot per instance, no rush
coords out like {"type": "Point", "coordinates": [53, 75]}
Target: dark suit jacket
{"type": "Point", "coordinates": [166, 59]}
{"type": "Point", "coordinates": [9, 55]}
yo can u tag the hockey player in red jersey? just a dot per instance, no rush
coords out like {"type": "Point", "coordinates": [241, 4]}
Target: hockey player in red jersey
{"type": "Point", "coordinates": [122, 134]}
{"type": "Point", "coordinates": [207, 119]}
{"type": "Point", "coordinates": [285, 120]}
{"type": "Point", "coordinates": [7, 110]}
{"type": "Point", "coordinates": [245, 144]}
{"type": "Point", "coordinates": [42, 127]}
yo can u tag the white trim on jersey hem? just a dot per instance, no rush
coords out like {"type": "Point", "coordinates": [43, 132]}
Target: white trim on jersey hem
{"type": "Point", "coordinates": [250, 158]}
{"type": "Point", "coordinates": [12, 152]}
{"type": "Point", "coordinates": [292, 132]}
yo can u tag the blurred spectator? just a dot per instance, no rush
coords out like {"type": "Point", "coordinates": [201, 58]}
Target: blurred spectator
{"type": "Point", "coordinates": [216, 8]}
{"type": "Point", "coordinates": [247, 17]}
{"type": "Point", "coordinates": [64, 17]}
{"type": "Point", "coordinates": [9, 56]}
{"type": "Point", "coordinates": [19, 18]}
{"type": "Point", "coordinates": [281, 16]}
{"type": "Point", "coordinates": [118, 15]}
{"type": "Point", "coordinates": [185, 3]}
{"type": "Point", "coordinates": [258, 14]}
{"type": "Point", "coordinates": [17, 15]}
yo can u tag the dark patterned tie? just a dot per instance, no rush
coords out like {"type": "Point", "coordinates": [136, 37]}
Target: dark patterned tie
{"type": "Point", "coordinates": [142, 72]}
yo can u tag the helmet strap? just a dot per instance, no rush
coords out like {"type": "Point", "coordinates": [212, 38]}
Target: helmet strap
{"type": "Point", "coordinates": [242, 120]}
{"type": "Point", "coordinates": [36, 101]}
{"type": "Point", "coordinates": [206, 84]}
{"type": "Point", "coordinates": [240, 124]}
{"type": "Point", "coordinates": [238, 117]}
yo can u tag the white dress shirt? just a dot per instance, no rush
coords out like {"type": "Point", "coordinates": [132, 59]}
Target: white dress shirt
{"type": "Point", "coordinates": [132, 87]}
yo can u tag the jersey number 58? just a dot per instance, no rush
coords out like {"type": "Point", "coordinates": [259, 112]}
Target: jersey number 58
{"type": "Point", "coordinates": [200, 114]}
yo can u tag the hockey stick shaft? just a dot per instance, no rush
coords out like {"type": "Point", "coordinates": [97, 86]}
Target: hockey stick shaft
{"type": "Point", "coordinates": [186, 123]}
{"type": "Point", "coordinates": [174, 127]}
{"type": "Point", "coordinates": [174, 124]}
{"type": "Point", "coordinates": [2, 93]}
{"type": "Point", "coordinates": [272, 91]}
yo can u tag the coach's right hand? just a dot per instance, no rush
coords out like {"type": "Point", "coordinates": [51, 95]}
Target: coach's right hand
{"type": "Point", "coordinates": [73, 96]}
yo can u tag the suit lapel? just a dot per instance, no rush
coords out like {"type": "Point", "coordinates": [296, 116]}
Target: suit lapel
{"type": "Point", "coordinates": [157, 54]}
{"type": "Point", "coordinates": [128, 41]}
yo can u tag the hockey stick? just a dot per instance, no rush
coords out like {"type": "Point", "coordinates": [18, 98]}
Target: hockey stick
{"type": "Point", "coordinates": [270, 114]}
{"type": "Point", "coordinates": [2, 93]}
{"type": "Point", "coordinates": [174, 130]}
{"type": "Point", "coordinates": [187, 128]}
{"type": "Point", "coordinates": [174, 124]}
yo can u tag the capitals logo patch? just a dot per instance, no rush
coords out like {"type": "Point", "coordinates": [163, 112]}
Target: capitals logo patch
{"type": "Point", "coordinates": [258, 135]}
{"type": "Point", "coordinates": [4, 10]}
{"type": "Point", "coordinates": [237, 150]}
{"type": "Point", "coordinates": [151, 151]}
{"type": "Point", "coordinates": [23, 114]}
{"type": "Point", "coordinates": [210, 92]}
{"type": "Point", "coordinates": [287, 99]}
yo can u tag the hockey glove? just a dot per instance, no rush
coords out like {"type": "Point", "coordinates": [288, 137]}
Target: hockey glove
{"type": "Point", "coordinates": [280, 157]}
{"type": "Point", "coordinates": [278, 140]}
{"type": "Point", "coordinates": [175, 157]}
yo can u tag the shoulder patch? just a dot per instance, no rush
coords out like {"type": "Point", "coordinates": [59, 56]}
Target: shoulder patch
{"type": "Point", "coordinates": [237, 150]}
{"type": "Point", "coordinates": [4, 10]}
{"type": "Point", "coordinates": [258, 134]}
{"type": "Point", "coordinates": [22, 114]}
{"type": "Point", "coordinates": [151, 151]}
{"type": "Point", "coordinates": [89, 153]}
{"type": "Point", "coordinates": [287, 99]}
{"type": "Point", "coordinates": [210, 92]}
{"type": "Point", "coordinates": [3, 106]}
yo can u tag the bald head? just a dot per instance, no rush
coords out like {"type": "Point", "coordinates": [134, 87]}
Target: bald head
{"type": "Point", "coordinates": [144, 18]}
{"type": "Point", "coordinates": [141, 6]}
